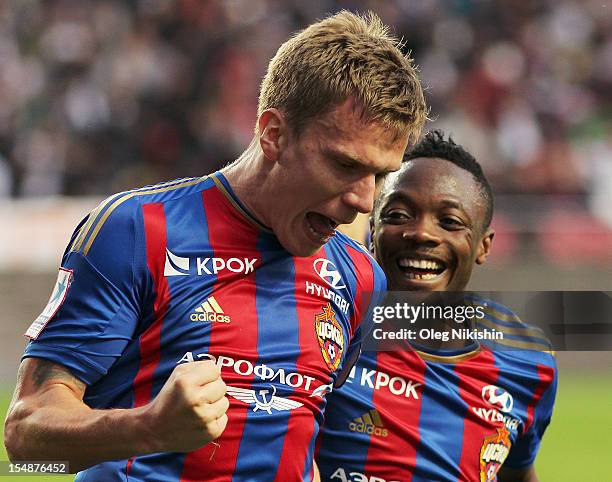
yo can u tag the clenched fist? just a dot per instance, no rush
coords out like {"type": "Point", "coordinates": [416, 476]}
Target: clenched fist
{"type": "Point", "coordinates": [190, 410]}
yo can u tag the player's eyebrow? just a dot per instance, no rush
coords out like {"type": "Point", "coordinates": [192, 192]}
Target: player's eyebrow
{"type": "Point", "coordinates": [406, 199]}
{"type": "Point", "coordinates": [342, 156]}
{"type": "Point", "coordinates": [395, 196]}
{"type": "Point", "coordinates": [452, 204]}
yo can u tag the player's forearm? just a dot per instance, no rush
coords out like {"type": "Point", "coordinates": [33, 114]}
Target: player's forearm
{"type": "Point", "coordinates": [66, 429]}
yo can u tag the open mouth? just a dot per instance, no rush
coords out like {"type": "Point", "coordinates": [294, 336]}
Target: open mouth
{"type": "Point", "coordinates": [421, 269]}
{"type": "Point", "coordinates": [321, 227]}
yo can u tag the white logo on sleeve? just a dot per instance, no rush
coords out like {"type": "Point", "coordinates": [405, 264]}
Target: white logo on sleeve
{"type": "Point", "coordinates": [60, 290]}
{"type": "Point", "coordinates": [328, 273]}
{"type": "Point", "coordinates": [263, 399]}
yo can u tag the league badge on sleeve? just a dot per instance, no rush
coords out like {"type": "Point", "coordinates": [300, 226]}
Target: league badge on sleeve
{"type": "Point", "coordinates": [330, 336]}
{"type": "Point", "coordinates": [60, 290]}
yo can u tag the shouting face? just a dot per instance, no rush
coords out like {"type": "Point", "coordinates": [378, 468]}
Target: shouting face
{"type": "Point", "coordinates": [325, 175]}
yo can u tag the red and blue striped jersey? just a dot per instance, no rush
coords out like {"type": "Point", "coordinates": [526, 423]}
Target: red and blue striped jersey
{"type": "Point", "coordinates": [179, 272]}
{"type": "Point", "coordinates": [450, 416]}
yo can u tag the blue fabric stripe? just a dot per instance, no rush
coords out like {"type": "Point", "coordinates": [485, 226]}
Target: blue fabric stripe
{"type": "Point", "coordinates": [440, 426]}
{"type": "Point", "coordinates": [344, 406]}
{"type": "Point", "coordinates": [270, 340]}
{"type": "Point", "coordinates": [519, 379]}
{"type": "Point", "coordinates": [339, 255]}
{"type": "Point", "coordinates": [99, 215]}
{"type": "Point", "coordinates": [517, 324]}
{"type": "Point", "coordinates": [188, 215]}
{"type": "Point", "coordinates": [310, 456]}
{"type": "Point", "coordinates": [156, 197]}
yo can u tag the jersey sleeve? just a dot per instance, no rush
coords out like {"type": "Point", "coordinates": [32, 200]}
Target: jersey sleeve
{"type": "Point", "coordinates": [102, 284]}
{"type": "Point", "coordinates": [525, 449]}
{"type": "Point", "coordinates": [370, 297]}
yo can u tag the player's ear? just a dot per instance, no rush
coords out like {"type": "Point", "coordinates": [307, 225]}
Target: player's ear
{"type": "Point", "coordinates": [484, 247]}
{"type": "Point", "coordinates": [272, 133]}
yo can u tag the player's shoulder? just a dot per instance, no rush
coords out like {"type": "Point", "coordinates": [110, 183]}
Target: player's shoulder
{"type": "Point", "coordinates": [360, 259]}
{"type": "Point", "coordinates": [119, 214]}
{"type": "Point", "coordinates": [519, 338]}
{"type": "Point", "coordinates": [355, 249]}
{"type": "Point", "coordinates": [170, 190]}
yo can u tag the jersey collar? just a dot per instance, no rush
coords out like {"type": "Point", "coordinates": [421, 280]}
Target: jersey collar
{"type": "Point", "coordinates": [224, 186]}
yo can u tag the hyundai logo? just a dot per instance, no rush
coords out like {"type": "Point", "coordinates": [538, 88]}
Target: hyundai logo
{"type": "Point", "coordinates": [498, 398]}
{"type": "Point", "coordinates": [328, 273]}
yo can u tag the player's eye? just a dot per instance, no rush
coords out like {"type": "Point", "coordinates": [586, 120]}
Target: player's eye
{"type": "Point", "coordinates": [395, 216]}
{"type": "Point", "coordinates": [451, 222]}
{"type": "Point", "coordinates": [345, 166]}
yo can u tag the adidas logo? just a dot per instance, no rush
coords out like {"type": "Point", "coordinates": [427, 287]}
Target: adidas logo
{"type": "Point", "coordinates": [369, 423]}
{"type": "Point", "coordinates": [210, 310]}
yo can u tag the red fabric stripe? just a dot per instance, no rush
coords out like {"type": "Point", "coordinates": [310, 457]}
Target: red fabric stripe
{"type": "Point", "coordinates": [300, 427]}
{"type": "Point", "coordinates": [128, 467]}
{"type": "Point", "coordinates": [155, 234]}
{"type": "Point", "coordinates": [546, 375]}
{"type": "Point", "coordinates": [473, 375]}
{"type": "Point", "coordinates": [229, 236]}
{"type": "Point", "coordinates": [365, 284]}
{"type": "Point", "coordinates": [393, 456]}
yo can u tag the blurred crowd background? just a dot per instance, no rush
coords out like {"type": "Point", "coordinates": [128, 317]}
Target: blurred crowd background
{"type": "Point", "coordinates": [102, 96]}
{"type": "Point", "coordinates": [98, 96]}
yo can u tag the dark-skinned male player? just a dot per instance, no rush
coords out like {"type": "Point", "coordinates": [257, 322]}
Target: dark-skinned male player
{"type": "Point", "coordinates": [456, 410]}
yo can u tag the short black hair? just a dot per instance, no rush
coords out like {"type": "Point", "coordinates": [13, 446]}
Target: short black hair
{"type": "Point", "coordinates": [434, 145]}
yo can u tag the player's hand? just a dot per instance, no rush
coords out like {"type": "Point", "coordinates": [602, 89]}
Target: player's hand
{"type": "Point", "coordinates": [190, 409]}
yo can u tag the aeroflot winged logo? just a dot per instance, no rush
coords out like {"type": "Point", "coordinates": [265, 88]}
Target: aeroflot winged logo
{"type": "Point", "coordinates": [179, 266]}
{"type": "Point", "coordinates": [328, 273]}
{"type": "Point", "coordinates": [498, 398]}
{"type": "Point", "coordinates": [263, 399]}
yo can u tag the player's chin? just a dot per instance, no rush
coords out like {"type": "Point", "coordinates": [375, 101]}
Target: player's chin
{"type": "Point", "coordinates": [304, 240]}
{"type": "Point", "coordinates": [301, 250]}
{"type": "Point", "coordinates": [300, 244]}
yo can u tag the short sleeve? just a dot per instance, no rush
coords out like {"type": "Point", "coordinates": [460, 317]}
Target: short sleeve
{"type": "Point", "coordinates": [523, 453]}
{"type": "Point", "coordinates": [102, 284]}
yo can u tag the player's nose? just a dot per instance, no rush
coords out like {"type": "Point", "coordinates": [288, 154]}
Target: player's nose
{"type": "Point", "coordinates": [360, 195]}
{"type": "Point", "coordinates": [422, 231]}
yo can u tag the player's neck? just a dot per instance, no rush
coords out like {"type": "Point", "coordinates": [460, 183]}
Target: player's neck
{"type": "Point", "coordinates": [248, 178]}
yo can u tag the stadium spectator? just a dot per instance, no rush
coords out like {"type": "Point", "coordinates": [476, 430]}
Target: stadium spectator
{"type": "Point", "coordinates": [96, 97]}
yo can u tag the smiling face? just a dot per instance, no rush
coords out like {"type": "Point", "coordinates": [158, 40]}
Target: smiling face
{"type": "Point", "coordinates": [429, 227]}
{"type": "Point", "coordinates": [326, 175]}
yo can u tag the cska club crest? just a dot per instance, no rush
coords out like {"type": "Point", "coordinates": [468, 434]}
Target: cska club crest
{"type": "Point", "coordinates": [495, 449]}
{"type": "Point", "coordinates": [330, 336]}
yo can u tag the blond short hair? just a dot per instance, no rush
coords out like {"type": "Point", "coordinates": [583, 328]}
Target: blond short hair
{"type": "Point", "coordinates": [341, 56]}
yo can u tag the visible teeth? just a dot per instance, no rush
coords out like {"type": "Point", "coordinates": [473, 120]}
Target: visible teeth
{"type": "Point", "coordinates": [322, 237]}
{"type": "Point", "coordinates": [419, 263]}
{"type": "Point", "coordinates": [424, 276]}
